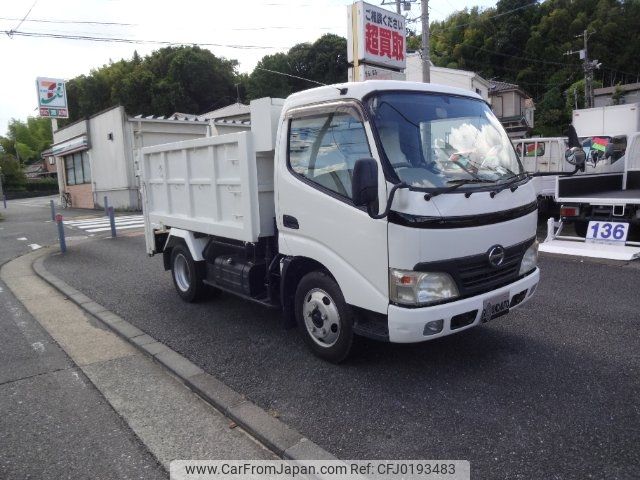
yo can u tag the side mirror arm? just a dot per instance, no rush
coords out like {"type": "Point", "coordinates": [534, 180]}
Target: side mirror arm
{"type": "Point", "coordinates": [392, 194]}
{"type": "Point", "coordinates": [579, 168]}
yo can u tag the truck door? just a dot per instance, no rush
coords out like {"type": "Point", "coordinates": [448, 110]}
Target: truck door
{"type": "Point", "coordinates": [316, 217]}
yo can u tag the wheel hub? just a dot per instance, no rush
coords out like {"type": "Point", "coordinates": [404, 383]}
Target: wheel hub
{"type": "Point", "coordinates": [181, 272]}
{"type": "Point", "coordinates": [321, 317]}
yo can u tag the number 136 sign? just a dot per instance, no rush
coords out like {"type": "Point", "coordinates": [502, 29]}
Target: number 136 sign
{"type": "Point", "coordinates": [607, 232]}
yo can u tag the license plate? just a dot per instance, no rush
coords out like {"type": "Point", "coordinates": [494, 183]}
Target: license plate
{"type": "Point", "coordinates": [495, 306]}
{"type": "Point", "coordinates": [607, 232]}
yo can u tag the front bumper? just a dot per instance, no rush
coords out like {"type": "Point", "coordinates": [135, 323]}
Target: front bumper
{"type": "Point", "coordinates": [406, 325]}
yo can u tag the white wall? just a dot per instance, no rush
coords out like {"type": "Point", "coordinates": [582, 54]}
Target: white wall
{"type": "Point", "coordinates": [71, 131]}
{"type": "Point", "coordinates": [114, 142]}
{"type": "Point", "coordinates": [110, 169]}
{"type": "Point", "coordinates": [447, 76]}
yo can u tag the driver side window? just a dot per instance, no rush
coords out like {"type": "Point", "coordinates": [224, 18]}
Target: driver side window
{"type": "Point", "coordinates": [323, 149]}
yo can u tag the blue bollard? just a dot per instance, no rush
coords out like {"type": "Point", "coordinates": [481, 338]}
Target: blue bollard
{"type": "Point", "coordinates": [112, 221]}
{"type": "Point", "coordinates": [63, 243]}
{"type": "Point", "coordinates": [53, 210]}
{"type": "Point", "coordinates": [106, 205]}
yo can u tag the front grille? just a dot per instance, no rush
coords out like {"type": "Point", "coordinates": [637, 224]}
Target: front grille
{"type": "Point", "coordinates": [477, 275]}
{"type": "Point", "coordinates": [474, 275]}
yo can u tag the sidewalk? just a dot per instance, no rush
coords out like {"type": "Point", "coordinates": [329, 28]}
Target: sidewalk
{"type": "Point", "coordinates": [105, 410]}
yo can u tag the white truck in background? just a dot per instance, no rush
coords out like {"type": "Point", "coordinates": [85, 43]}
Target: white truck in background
{"type": "Point", "coordinates": [544, 154]}
{"type": "Point", "coordinates": [394, 210]}
{"type": "Point", "coordinates": [603, 202]}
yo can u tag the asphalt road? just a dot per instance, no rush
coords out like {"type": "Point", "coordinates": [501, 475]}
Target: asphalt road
{"type": "Point", "coordinates": [54, 423]}
{"type": "Point", "coordinates": [27, 222]}
{"type": "Point", "coordinates": [549, 391]}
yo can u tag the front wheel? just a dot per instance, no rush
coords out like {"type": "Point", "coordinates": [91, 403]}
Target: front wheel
{"type": "Point", "coordinates": [324, 318]}
{"type": "Point", "coordinates": [188, 275]}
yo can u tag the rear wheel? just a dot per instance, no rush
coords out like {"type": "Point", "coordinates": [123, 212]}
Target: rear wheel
{"type": "Point", "coordinates": [188, 275]}
{"type": "Point", "coordinates": [324, 318]}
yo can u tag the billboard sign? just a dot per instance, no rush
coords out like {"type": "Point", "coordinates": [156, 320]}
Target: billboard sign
{"type": "Point", "coordinates": [52, 98]}
{"type": "Point", "coordinates": [376, 37]}
{"type": "Point", "coordinates": [372, 72]}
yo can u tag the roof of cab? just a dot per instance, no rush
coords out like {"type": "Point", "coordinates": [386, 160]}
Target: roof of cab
{"type": "Point", "coordinates": [358, 90]}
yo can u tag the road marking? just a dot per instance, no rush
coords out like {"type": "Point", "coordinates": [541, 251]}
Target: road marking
{"type": "Point", "coordinates": [34, 246]}
{"type": "Point", "coordinates": [38, 347]}
{"type": "Point", "coordinates": [22, 239]}
{"type": "Point", "coordinates": [117, 228]}
{"type": "Point", "coordinates": [102, 224]}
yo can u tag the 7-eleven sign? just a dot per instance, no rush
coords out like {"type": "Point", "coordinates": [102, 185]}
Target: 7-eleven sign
{"type": "Point", "coordinates": [52, 98]}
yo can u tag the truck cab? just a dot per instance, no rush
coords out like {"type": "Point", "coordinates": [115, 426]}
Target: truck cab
{"type": "Point", "coordinates": [400, 211]}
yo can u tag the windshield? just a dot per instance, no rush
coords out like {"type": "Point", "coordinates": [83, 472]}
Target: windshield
{"type": "Point", "coordinates": [436, 140]}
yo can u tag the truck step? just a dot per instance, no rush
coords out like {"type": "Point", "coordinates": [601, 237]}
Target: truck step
{"type": "Point", "coordinates": [592, 250]}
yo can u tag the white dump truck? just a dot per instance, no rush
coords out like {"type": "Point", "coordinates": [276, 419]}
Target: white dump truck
{"type": "Point", "coordinates": [393, 210]}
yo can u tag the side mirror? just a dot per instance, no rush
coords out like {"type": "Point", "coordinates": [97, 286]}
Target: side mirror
{"type": "Point", "coordinates": [576, 156]}
{"type": "Point", "coordinates": [364, 184]}
{"type": "Point", "coordinates": [572, 135]}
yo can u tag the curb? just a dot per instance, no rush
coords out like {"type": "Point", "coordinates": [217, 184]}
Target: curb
{"type": "Point", "coordinates": [273, 433]}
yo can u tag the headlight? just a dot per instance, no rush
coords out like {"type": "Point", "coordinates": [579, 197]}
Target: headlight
{"type": "Point", "coordinates": [530, 259]}
{"type": "Point", "coordinates": [420, 288]}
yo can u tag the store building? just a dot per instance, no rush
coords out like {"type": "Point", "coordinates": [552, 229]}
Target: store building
{"type": "Point", "coordinates": [96, 157]}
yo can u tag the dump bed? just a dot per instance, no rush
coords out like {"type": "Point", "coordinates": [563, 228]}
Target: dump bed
{"type": "Point", "coordinates": [220, 185]}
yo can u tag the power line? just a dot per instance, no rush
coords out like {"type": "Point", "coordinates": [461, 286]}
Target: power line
{"type": "Point", "coordinates": [88, 22]}
{"type": "Point", "coordinates": [130, 40]}
{"type": "Point", "coordinates": [530, 59]}
{"type": "Point", "coordinates": [27, 14]}
{"type": "Point", "coordinates": [292, 76]}
{"type": "Point", "coordinates": [410, 20]}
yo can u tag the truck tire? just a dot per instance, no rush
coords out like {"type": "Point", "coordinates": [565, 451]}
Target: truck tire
{"type": "Point", "coordinates": [324, 319]}
{"type": "Point", "coordinates": [188, 275]}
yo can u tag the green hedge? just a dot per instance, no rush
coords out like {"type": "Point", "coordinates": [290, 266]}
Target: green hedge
{"type": "Point", "coordinates": [42, 185]}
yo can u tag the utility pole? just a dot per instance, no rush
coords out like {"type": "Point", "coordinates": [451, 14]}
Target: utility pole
{"type": "Point", "coordinates": [588, 74]}
{"type": "Point", "coordinates": [426, 73]}
{"type": "Point", "coordinates": [588, 66]}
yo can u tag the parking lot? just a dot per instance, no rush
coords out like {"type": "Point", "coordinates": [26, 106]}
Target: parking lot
{"type": "Point", "coordinates": [549, 391]}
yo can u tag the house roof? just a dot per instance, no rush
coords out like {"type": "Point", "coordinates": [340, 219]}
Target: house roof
{"type": "Point", "coordinates": [629, 87]}
{"type": "Point", "coordinates": [497, 86]}
{"type": "Point", "coordinates": [230, 111]}
{"type": "Point", "coordinates": [235, 109]}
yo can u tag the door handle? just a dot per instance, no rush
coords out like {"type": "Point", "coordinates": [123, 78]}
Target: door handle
{"type": "Point", "coordinates": [290, 222]}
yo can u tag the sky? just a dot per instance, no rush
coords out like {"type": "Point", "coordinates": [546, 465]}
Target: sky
{"type": "Point", "coordinates": [260, 27]}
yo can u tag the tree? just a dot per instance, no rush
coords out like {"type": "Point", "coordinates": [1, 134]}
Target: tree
{"type": "Point", "coordinates": [186, 78]}
{"type": "Point", "coordinates": [264, 83]}
{"type": "Point", "coordinates": [13, 177]}
{"type": "Point", "coordinates": [27, 141]}
{"type": "Point", "coordinates": [324, 61]}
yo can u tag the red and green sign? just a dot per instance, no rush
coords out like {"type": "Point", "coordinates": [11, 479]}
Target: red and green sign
{"type": "Point", "coordinates": [599, 144]}
{"type": "Point", "coordinates": [52, 98]}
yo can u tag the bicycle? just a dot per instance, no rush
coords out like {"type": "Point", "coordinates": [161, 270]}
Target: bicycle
{"type": "Point", "coordinates": [66, 200]}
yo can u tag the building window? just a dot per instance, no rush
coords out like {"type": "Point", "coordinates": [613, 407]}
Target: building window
{"type": "Point", "coordinates": [77, 168]}
{"type": "Point", "coordinates": [324, 148]}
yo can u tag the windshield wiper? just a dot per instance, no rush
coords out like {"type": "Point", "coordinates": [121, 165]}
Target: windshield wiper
{"type": "Point", "coordinates": [458, 184]}
{"type": "Point", "coordinates": [515, 179]}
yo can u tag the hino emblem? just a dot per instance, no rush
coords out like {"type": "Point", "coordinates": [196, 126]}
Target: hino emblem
{"type": "Point", "coordinates": [496, 255]}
